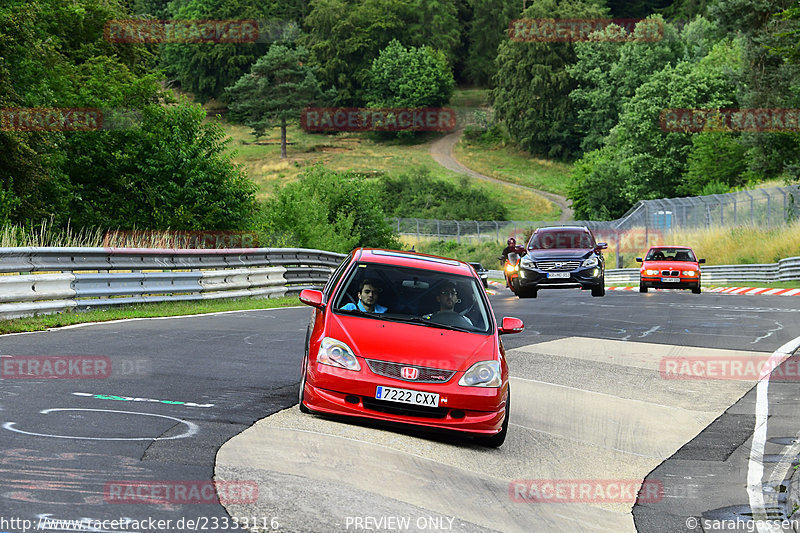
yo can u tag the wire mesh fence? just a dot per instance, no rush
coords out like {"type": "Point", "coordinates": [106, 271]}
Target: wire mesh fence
{"type": "Point", "coordinates": [768, 207]}
{"type": "Point", "coordinates": [644, 224]}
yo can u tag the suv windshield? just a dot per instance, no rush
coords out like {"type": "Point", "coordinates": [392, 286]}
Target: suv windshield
{"type": "Point", "coordinates": [545, 240]}
{"type": "Point", "coordinates": [414, 295]}
{"type": "Point", "coordinates": [670, 254]}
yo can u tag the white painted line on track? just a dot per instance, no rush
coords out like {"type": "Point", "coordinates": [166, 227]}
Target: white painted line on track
{"type": "Point", "coordinates": [755, 467]}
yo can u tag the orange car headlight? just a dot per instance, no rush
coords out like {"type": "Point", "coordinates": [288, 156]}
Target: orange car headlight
{"type": "Point", "coordinates": [651, 272]}
{"type": "Point", "coordinates": [689, 272]}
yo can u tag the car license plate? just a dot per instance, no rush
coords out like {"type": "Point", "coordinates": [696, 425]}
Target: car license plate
{"type": "Point", "coordinates": [558, 274]}
{"type": "Point", "coordinates": [671, 280]}
{"type": "Point", "coordinates": [413, 397]}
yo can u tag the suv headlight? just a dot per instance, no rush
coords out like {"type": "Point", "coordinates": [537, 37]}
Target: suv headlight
{"type": "Point", "coordinates": [336, 353]}
{"type": "Point", "coordinates": [483, 374]}
{"type": "Point", "coordinates": [590, 262]}
{"type": "Point", "coordinates": [527, 263]}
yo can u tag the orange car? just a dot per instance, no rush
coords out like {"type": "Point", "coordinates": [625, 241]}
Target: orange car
{"type": "Point", "coordinates": [670, 267]}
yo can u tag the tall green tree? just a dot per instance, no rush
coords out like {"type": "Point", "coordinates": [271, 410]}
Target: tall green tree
{"type": "Point", "coordinates": [409, 77]}
{"type": "Point", "coordinates": [205, 69]}
{"type": "Point", "coordinates": [532, 84]}
{"type": "Point", "coordinates": [769, 81]}
{"type": "Point", "coordinates": [278, 87]}
{"type": "Point", "coordinates": [487, 29]}
{"type": "Point", "coordinates": [345, 36]}
{"type": "Point", "coordinates": [608, 74]}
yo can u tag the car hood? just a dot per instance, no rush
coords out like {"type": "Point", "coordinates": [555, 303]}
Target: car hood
{"type": "Point", "coordinates": [670, 265]}
{"type": "Point", "coordinates": [413, 344]}
{"type": "Point", "coordinates": [559, 253]}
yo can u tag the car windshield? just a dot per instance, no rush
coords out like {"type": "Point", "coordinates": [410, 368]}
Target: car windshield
{"type": "Point", "coordinates": [561, 239]}
{"type": "Point", "coordinates": [414, 295]}
{"type": "Point", "coordinates": [670, 254]}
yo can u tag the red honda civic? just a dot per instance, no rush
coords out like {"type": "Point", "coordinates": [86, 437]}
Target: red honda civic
{"type": "Point", "coordinates": [410, 338]}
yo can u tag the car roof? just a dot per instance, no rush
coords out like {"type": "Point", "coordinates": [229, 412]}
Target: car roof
{"type": "Point", "coordinates": [412, 259]}
{"type": "Point", "coordinates": [661, 246]}
{"type": "Point", "coordinates": [558, 228]}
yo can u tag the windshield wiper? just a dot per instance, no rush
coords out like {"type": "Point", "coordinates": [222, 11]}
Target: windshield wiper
{"type": "Point", "coordinates": [429, 322]}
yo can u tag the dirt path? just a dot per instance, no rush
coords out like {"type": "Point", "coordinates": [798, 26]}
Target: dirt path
{"type": "Point", "coordinates": [442, 153]}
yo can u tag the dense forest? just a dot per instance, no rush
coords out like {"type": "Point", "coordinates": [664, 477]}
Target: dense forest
{"type": "Point", "coordinates": [597, 102]}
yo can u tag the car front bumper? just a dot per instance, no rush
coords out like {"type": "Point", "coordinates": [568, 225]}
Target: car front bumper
{"type": "Point", "coordinates": [338, 391]}
{"type": "Point", "coordinates": [654, 282]}
{"type": "Point", "coordinates": [585, 278]}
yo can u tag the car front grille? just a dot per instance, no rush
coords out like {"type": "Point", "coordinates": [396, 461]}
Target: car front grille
{"type": "Point", "coordinates": [394, 370]}
{"type": "Point", "coordinates": [669, 272]}
{"type": "Point", "coordinates": [403, 409]}
{"type": "Point", "coordinates": [558, 265]}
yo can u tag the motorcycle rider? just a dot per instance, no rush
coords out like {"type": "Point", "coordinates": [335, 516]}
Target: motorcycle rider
{"type": "Point", "coordinates": [512, 244]}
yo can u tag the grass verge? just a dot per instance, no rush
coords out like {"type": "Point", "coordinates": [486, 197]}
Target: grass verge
{"type": "Point", "coordinates": [43, 322]}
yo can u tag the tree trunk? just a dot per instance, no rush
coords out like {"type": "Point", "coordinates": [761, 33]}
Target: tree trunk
{"type": "Point", "coordinates": [283, 138]}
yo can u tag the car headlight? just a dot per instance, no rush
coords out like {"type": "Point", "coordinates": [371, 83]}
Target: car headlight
{"type": "Point", "coordinates": [336, 353]}
{"type": "Point", "coordinates": [651, 272]}
{"type": "Point", "coordinates": [689, 272]}
{"type": "Point", "coordinates": [483, 374]}
{"type": "Point", "coordinates": [590, 262]}
{"type": "Point", "coordinates": [527, 263]}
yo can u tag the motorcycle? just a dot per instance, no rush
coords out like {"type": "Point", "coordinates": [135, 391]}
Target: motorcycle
{"type": "Point", "coordinates": [510, 267]}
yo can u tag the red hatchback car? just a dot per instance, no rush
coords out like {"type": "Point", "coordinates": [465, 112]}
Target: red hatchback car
{"type": "Point", "coordinates": [410, 338]}
{"type": "Point", "coordinates": [670, 267]}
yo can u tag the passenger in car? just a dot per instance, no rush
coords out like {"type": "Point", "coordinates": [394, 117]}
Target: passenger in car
{"type": "Point", "coordinates": [368, 293]}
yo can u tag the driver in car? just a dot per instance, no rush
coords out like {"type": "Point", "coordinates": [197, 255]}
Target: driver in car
{"type": "Point", "coordinates": [448, 298]}
{"type": "Point", "coordinates": [368, 292]}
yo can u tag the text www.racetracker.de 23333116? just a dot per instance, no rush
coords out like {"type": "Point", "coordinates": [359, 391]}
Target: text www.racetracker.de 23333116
{"type": "Point", "coordinates": [46, 522]}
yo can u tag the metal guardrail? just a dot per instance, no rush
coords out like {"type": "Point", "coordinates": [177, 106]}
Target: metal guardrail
{"type": "Point", "coordinates": [83, 278]}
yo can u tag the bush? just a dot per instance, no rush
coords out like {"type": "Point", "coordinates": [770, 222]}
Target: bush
{"type": "Point", "coordinates": [418, 195]}
{"type": "Point", "coordinates": [327, 210]}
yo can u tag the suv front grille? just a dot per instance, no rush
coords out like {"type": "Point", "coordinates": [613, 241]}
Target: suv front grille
{"type": "Point", "coordinates": [426, 375]}
{"type": "Point", "coordinates": [558, 265]}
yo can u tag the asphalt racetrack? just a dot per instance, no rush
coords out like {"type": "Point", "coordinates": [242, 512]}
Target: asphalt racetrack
{"type": "Point", "coordinates": [630, 394]}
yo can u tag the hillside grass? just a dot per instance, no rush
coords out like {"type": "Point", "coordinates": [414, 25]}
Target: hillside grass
{"type": "Point", "coordinates": [370, 155]}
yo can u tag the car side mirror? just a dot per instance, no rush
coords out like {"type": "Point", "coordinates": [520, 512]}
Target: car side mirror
{"type": "Point", "coordinates": [700, 261]}
{"type": "Point", "coordinates": [312, 297]}
{"type": "Point", "coordinates": [601, 245]}
{"type": "Point", "coordinates": [638, 259]}
{"type": "Point", "coordinates": [511, 325]}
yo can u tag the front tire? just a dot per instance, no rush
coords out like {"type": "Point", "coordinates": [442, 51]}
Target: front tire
{"type": "Point", "coordinates": [642, 288]}
{"type": "Point", "coordinates": [696, 290]}
{"type": "Point", "coordinates": [599, 291]}
{"type": "Point", "coordinates": [527, 293]}
{"type": "Point", "coordinates": [497, 440]}
{"type": "Point", "coordinates": [301, 394]}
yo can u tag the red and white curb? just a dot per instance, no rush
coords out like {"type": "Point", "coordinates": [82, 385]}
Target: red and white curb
{"type": "Point", "coordinates": [729, 290]}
